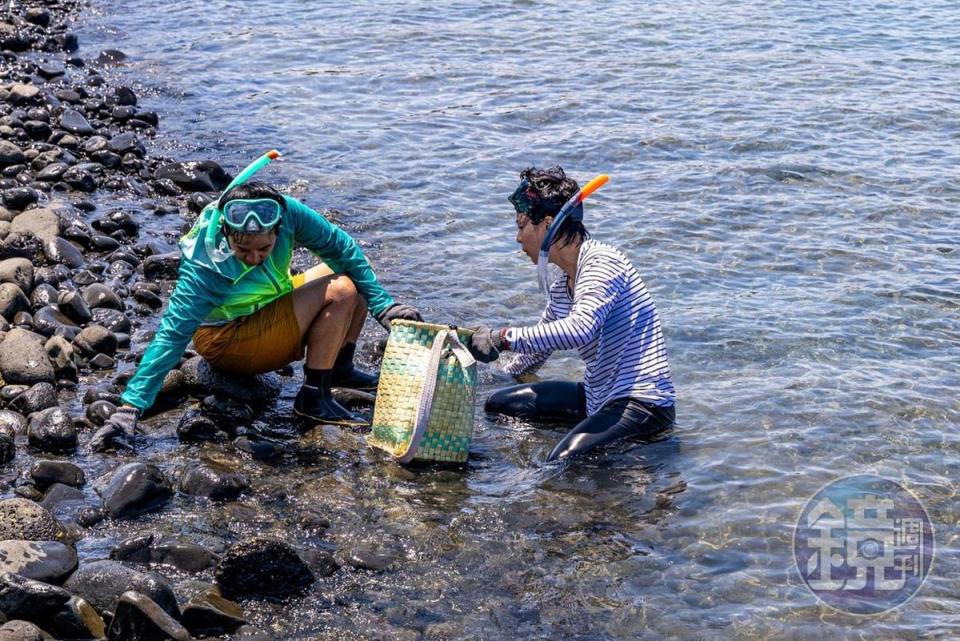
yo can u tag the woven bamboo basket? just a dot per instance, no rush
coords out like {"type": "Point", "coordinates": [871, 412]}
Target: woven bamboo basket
{"type": "Point", "coordinates": [425, 398]}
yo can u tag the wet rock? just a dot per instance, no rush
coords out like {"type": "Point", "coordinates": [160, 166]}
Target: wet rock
{"type": "Point", "coordinates": [52, 431]}
{"type": "Point", "coordinates": [43, 224]}
{"type": "Point", "coordinates": [47, 561]}
{"type": "Point", "coordinates": [99, 242]}
{"type": "Point", "coordinates": [22, 93]}
{"type": "Point", "coordinates": [23, 359]}
{"type": "Point", "coordinates": [255, 390]}
{"type": "Point", "coordinates": [12, 300]}
{"type": "Point", "coordinates": [18, 271]}
{"type": "Point", "coordinates": [102, 361]}
{"type": "Point", "coordinates": [95, 144]}
{"type": "Point", "coordinates": [18, 198]}
{"type": "Point", "coordinates": [262, 567]}
{"type": "Point", "coordinates": [103, 582]}
{"type": "Point", "coordinates": [52, 173]}
{"type": "Point", "coordinates": [321, 562]}
{"type": "Point", "coordinates": [261, 449]}
{"type": "Point", "coordinates": [19, 245]}
{"type": "Point", "coordinates": [134, 489]}
{"type": "Point", "coordinates": [51, 70]}
{"type": "Point", "coordinates": [61, 250]}
{"type": "Point", "coordinates": [37, 129]}
{"type": "Point", "coordinates": [38, 16]}
{"type": "Point", "coordinates": [58, 495]}
{"type": "Point", "coordinates": [89, 516]}
{"type": "Point", "coordinates": [53, 275]}
{"type": "Point", "coordinates": [80, 179]}
{"type": "Point", "coordinates": [139, 618]}
{"type": "Point", "coordinates": [34, 399]}
{"type": "Point", "coordinates": [99, 411]}
{"type": "Point", "coordinates": [50, 607]}
{"type": "Point", "coordinates": [111, 56]}
{"type": "Point", "coordinates": [21, 631]}
{"type": "Point", "coordinates": [367, 559]}
{"type": "Point", "coordinates": [117, 221]}
{"type": "Point", "coordinates": [95, 339]}
{"type": "Point", "coordinates": [73, 305]}
{"type": "Point", "coordinates": [13, 422]}
{"type": "Point", "coordinates": [126, 142]}
{"type": "Point", "coordinates": [212, 483]}
{"type": "Point", "coordinates": [162, 266]}
{"type": "Point", "coordinates": [10, 154]}
{"type": "Point", "coordinates": [46, 473]}
{"type": "Point", "coordinates": [143, 294]}
{"type": "Point", "coordinates": [24, 520]}
{"type": "Point", "coordinates": [202, 176]}
{"type": "Point", "coordinates": [48, 321]}
{"type": "Point", "coordinates": [74, 122]}
{"type": "Point", "coordinates": [194, 427]}
{"type": "Point", "coordinates": [8, 446]}
{"type": "Point", "coordinates": [353, 398]}
{"type": "Point", "coordinates": [152, 548]}
{"type": "Point", "coordinates": [43, 295]}
{"type": "Point", "coordinates": [111, 319]}
{"type": "Point", "coordinates": [209, 614]}
{"type": "Point", "coordinates": [60, 353]}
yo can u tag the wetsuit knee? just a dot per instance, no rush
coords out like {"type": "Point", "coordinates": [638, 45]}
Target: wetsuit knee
{"type": "Point", "coordinates": [616, 420]}
{"type": "Point", "coordinates": [541, 400]}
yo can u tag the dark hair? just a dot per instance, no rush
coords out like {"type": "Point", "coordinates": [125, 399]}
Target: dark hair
{"type": "Point", "coordinates": [250, 191]}
{"type": "Point", "coordinates": [550, 189]}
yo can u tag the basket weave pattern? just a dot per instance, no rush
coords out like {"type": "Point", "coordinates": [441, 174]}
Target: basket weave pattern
{"type": "Point", "coordinates": [403, 375]}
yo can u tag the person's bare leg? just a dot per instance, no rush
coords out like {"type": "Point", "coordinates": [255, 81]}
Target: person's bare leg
{"type": "Point", "coordinates": [324, 307]}
{"type": "Point", "coordinates": [344, 372]}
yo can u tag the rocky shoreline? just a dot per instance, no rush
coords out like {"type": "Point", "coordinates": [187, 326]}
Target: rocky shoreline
{"type": "Point", "coordinates": [77, 282]}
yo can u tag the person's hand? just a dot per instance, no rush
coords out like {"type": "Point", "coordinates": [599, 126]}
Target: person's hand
{"type": "Point", "coordinates": [118, 432]}
{"type": "Point", "coordinates": [485, 344]}
{"type": "Point", "coordinates": [125, 417]}
{"type": "Point", "coordinates": [398, 311]}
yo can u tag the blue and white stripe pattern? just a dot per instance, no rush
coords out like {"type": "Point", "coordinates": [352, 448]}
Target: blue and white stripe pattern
{"type": "Point", "coordinates": [611, 321]}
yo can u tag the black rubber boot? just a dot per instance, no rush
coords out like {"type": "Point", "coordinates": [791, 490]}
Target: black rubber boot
{"type": "Point", "coordinates": [346, 375]}
{"type": "Point", "coordinates": [315, 402]}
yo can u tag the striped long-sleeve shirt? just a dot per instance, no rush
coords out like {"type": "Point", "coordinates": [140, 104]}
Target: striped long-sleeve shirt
{"type": "Point", "coordinates": [611, 321]}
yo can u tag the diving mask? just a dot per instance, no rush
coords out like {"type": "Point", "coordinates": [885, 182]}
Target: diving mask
{"type": "Point", "coordinates": [256, 216]}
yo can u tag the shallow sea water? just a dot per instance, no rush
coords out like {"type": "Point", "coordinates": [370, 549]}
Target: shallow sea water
{"type": "Point", "coordinates": [784, 177]}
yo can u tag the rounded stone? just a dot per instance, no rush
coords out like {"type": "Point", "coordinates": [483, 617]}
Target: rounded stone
{"type": "Point", "coordinates": [52, 430]}
{"type": "Point", "coordinates": [262, 567]}
{"type": "Point", "coordinates": [24, 520]}
{"type": "Point", "coordinates": [134, 489]}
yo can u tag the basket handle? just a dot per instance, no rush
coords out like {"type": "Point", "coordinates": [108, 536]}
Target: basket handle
{"type": "Point", "coordinates": [425, 402]}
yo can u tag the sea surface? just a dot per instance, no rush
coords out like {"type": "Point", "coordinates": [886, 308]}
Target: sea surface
{"type": "Point", "coordinates": [783, 175]}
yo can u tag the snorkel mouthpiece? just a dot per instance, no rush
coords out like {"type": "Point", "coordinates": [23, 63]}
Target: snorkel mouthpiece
{"type": "Point", "coordinates": [573, 208]}
{"type": "Point", "coordinates": [209, 240]}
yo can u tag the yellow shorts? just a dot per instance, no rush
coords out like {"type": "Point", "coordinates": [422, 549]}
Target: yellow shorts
{"type": "Point", "coordinates": [262, 342]}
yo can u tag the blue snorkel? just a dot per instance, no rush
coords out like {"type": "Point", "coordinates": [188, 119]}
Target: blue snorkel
{"type": "Point", "coordinates": [210, 236]}
{"type": "Point", "coordinates": [572, 209]}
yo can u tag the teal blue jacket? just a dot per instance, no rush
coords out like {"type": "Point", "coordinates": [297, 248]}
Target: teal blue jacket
{"type": "Point", "coordinates": [220, 288]}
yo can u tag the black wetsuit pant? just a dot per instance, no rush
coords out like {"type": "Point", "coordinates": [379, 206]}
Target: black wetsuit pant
{"type": "Point", "coordinates": [620, 418]}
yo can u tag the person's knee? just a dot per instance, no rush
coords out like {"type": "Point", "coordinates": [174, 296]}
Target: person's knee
{"type": "Point", "coordinates": [342, 290]}
{"type": "Point", "coordinates": [517, 400]}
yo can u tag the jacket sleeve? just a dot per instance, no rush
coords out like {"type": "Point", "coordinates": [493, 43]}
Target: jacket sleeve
{"type": "Point", "coordinates": [597, 288]}
{"type": "Point", "coordinates": [530, 363]}
{"type": "Point", "coordinates": [339, 251]}
{"type": "Point", "coordinates": [192, 300]}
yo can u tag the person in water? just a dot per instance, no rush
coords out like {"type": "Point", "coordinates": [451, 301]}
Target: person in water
{"type": "Point", "coordinates": [597, 305]}
{"type": "Point", "coordinates": [235, 297]}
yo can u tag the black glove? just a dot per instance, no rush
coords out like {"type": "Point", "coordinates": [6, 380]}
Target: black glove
{"type": "Point", "coordinates": [485, 344]}
{"type": "Point", "coordinates": [398, 311]}
{"type": "Point", "coordinates": [125, 418]}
